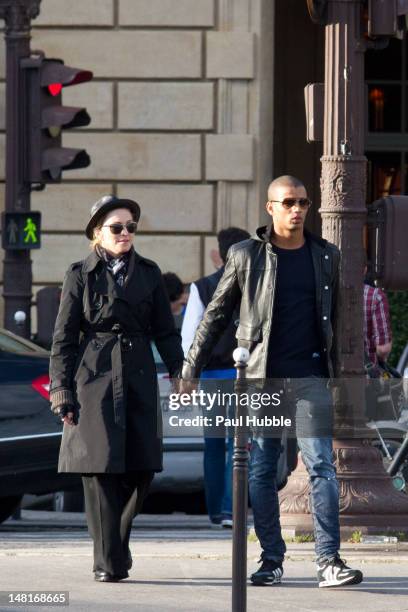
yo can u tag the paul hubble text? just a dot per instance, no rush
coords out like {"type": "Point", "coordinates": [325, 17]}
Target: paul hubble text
{"type": "Point", "coordinates": [220, 421]}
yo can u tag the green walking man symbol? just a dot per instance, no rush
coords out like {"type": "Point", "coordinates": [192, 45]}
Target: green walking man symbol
{"type": "Point", "coordinates": [30, 231]}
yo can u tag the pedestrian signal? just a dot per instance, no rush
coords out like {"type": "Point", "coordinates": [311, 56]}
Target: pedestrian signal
{"type": "Point", "coordinates": [21, 230]}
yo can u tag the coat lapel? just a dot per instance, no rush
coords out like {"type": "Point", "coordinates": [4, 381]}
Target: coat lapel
{"type": "Point", "coordinates": [138, 283]}
{"type": "Point", "coordinates": [105, 284]}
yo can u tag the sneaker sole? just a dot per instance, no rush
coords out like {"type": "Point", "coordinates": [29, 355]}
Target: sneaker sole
{"type": "Point", "coordinates": [260, 582]}
{"type": "Point", "coordinates": [330, 585]}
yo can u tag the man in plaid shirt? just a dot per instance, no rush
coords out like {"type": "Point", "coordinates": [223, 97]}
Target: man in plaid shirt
{"type": "Point", "coordinates": [377, 327]}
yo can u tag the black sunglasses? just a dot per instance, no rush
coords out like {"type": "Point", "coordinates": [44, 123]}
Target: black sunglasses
{"type": "Point", "coordinates": [117, 228]}
{"type": "Point", "coordinates": [289, 202]}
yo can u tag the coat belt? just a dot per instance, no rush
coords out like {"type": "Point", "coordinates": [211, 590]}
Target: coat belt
{"type": "Point", "coordinates": [123, 344]}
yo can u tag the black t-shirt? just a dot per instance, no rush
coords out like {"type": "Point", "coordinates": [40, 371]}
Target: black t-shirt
{"type": "Point", "coordinates": [294, 345]}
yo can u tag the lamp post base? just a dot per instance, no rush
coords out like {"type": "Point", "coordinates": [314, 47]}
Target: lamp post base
{"type": "Point", "coordinates": [368, 500]}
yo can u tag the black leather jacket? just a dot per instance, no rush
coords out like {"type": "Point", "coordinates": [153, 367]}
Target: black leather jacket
{"type": "Point", "coordinates": [249, 282]}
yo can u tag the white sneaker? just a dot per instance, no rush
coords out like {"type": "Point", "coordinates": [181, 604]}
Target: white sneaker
{"type": "Point", "coordinates": [336, 573]}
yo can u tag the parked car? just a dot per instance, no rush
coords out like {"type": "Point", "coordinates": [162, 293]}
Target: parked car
{"type": "Point", "coordinates": [29, 433]}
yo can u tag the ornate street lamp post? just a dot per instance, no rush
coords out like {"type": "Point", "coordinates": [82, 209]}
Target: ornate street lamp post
{"type": "Point", "coordinates": [368, 500]}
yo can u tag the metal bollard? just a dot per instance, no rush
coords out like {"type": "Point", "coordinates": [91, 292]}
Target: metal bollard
{"type": "Point", "coordinates": [240, 490]}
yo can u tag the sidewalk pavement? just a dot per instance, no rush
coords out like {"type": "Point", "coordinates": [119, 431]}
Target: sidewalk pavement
{"type": "Point", "coordinates": [180, 564]}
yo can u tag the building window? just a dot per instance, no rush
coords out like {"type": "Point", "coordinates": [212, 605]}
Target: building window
{"type": "Point", "coordinates": [386, 73]}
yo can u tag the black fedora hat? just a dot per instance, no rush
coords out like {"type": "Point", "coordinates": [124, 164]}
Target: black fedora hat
{"type": "Point", "coordinates": [106, 204]}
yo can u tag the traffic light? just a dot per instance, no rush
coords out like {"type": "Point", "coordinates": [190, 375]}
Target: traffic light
{"type": "Point", "coordinates": [317, 10]}
{"type": "Point", "coordinates": [381, 18]}
{"type": "Point", "coordinates": [21, 230]}
{"type": "Point", "coordinates": [387, 242]}
{"type": "Point", "coordinates": [46, 158]}
{"type": "Point", "coordinates": [386, 17]}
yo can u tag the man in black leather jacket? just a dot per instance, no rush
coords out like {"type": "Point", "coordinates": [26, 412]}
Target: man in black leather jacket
{"type": "Point", "coordinates": [285, 280]}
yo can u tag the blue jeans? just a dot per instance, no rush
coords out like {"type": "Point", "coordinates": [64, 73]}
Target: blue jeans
{"type": "Point", "coordinates": [317, 457]}
{"type": "Point", "coordinates": [218, 476]}
{"type": "Point", "coordinates": [218, 453]}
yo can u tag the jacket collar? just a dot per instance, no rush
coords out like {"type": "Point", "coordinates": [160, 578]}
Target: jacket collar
{"type": "Point", "coordinates": [263, 234]}
{"type": "Point", "coordinates": [133, 291]}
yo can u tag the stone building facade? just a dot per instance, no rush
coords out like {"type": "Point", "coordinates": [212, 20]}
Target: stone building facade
{"type": "Point", "coordinates": [182, 107]}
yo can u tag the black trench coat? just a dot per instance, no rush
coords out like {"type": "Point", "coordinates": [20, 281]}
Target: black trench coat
{"type": "Point", "coordinates": [101, 357]}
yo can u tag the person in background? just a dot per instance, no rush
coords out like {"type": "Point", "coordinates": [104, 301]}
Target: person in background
{"type": "Point", "coordinates": [377, 325]}
{"type": "Point", "coordinates": [178, 296]}
{"type": "Point", "coordinates": [217, 463]}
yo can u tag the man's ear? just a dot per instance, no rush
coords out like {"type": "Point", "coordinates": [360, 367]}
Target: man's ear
{"type": "Point", "coordinates": [269, 208]}
{"type": "Point", "coordinates": [216, 259]}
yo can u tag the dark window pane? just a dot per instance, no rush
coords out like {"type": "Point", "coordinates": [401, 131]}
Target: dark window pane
{"type": "Point", "coordinates": [384, 175]}
{"type": "Point", "coordinates": [406, 109]}
{"type": "Point", "coordinates": [384, 108]}
{"type": "Point", "coordinates": [385, 63]}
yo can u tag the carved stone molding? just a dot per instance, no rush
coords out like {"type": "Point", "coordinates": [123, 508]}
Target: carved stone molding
{"type": "Point", "coordinates": [294, 498]}
{"type": "Point", "coordinates": [343, 184]}
{"type": "Point", "coordinates": [18, 14]}
{"type": "Point", "coordinates": [366, 491]}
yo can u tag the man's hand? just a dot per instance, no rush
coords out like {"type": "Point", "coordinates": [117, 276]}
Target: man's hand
{"type": "Point", "coordinates": [187, 386]}
{"type": "Point", "coordinates": [383, 350]}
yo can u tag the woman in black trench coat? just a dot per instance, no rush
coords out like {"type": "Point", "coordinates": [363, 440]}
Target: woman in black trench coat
{"type": "Point", "coordinates": [104, 381]}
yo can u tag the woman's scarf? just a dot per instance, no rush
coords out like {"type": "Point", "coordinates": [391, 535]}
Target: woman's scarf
{"type": "Point", "coordinates": [118, 266]}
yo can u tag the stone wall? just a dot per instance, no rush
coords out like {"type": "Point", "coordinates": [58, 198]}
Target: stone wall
{"type": "Point", "coordinates": [182, 121]}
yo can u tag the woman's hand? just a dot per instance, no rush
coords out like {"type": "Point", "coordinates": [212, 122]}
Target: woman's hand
{"type": "Point", "coordinates": [68, 419]}
{"type": "Point", "coordinates": [68, 415]}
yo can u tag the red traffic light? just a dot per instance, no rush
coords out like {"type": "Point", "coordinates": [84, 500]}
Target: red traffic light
{"type": "Point", "coordinates": [55, 88]}
{"type": "Point", "coordinates": [55, 75]}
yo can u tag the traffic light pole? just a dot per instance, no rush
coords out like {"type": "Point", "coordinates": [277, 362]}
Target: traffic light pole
{"type": "Point", "coordinates": [17, 275]}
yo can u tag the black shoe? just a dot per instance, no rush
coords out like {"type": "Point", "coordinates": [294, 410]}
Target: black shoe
{"type": "Point", "coordinates": [227, 522]}
{"type": "Point", "coordinates": [215, 522]}
{"type": "Point", "coordinates": [129, 561]}
{"type": "Point", "coordinates": [269, 573]}
{"type": "Point", "coordinates": [101, 576]}
{"type": "Point", "coordinates": [336, 573]}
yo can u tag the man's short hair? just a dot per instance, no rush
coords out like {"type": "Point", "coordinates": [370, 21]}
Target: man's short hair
{"type": "Point", "coordinates": [229, 236]}
{"type": "Point", "coordinates": [286, 180]}
{"type": "Point", "coordinates": [174, 286]}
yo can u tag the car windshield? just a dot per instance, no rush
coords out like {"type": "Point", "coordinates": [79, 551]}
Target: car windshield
{"type": "Point", "coordinates": [11, 343]}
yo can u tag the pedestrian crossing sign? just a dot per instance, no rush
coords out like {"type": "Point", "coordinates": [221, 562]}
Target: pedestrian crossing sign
{"type": "Point", "coordinates": [21, 230]}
